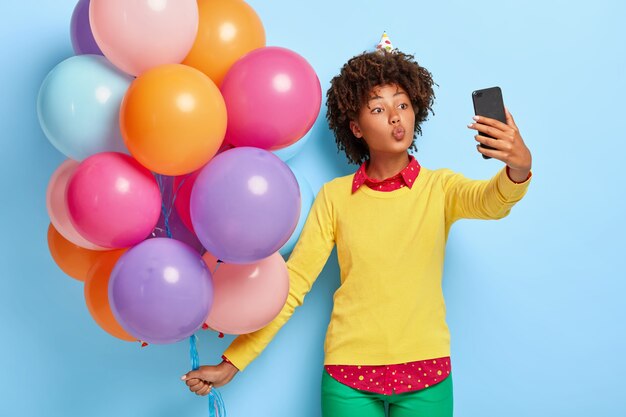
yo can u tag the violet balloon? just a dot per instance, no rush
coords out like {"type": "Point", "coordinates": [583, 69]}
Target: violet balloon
{"type": "Point", "coordinates": [245, 205]}
{"type": "Point", "coordinates": [161, 291]}
{"type": "Point", "coordinates": [272, 96]}
{"type": "Point", "coordinates": [83, 41]}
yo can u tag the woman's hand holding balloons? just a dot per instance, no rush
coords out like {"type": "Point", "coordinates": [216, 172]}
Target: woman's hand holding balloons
{"type": "Point", "coordinates": [202, 380]}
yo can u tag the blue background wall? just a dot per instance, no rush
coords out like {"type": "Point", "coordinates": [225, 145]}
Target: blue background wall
{"type": "Point", "coordinates": [535, 301]}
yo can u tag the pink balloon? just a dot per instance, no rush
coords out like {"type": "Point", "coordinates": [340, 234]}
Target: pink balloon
{"type": "Point", "coordinates": [210, 260]}
{"type": "Point", "coordinates": [113, 201]}
{"type": "Point", "coordinates": [56, 204]}
{"type": "Point", "coordinates": [272, 96]}
{"type": "Point", "coordinates": [248, 297]}
{"type": "Point", "coordinates": [136, 35]}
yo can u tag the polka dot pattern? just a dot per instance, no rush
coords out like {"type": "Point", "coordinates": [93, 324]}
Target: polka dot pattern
{"type": "Point", "coordinates": [392, 379]}
{"type": "Point", "coordinates": [385, 43]}
{"type": "Point", "coordinates": [406, 177]}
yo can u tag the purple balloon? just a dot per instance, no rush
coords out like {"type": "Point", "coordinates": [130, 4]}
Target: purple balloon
{"type": "Point", "coordinates": [161, 291]}
{"type": "Point", "coordinates": [245, 205]}
{"type": "Point", "coordinates": [177, 229]}
{"type": "Point", "coordinates": [83, 41]}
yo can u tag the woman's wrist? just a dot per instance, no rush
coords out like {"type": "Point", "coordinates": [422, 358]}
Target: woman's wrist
{"type": "Point", "coordinates": [229, 365]}
{"type": "Point", "coordinates": [518, 176]}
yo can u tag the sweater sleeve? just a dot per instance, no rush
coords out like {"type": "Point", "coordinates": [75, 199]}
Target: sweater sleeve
{"type": "Point", "coordinates": [480, 199]}
{"type": "Point", "coordinates": [305, 263]}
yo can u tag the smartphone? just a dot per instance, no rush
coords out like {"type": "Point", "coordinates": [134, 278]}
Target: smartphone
{"type": "Point", "coordinates": [488, 102]}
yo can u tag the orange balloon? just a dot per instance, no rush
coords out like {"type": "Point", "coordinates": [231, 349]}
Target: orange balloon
{"type": "Point", "coordinates": [72, 259]}
{"type": "Point", "coordinates": [227, 30]}
{"type": "Point", "coordinates": [97, 295]}
{"type": "Point", "coordinates": [173, 119]}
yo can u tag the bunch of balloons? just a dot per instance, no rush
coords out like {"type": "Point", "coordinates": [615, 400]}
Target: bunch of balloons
{"type": "Point", "coordinates": [173, 115]}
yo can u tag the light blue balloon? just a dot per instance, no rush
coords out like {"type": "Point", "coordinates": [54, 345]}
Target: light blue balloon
{"type": "Point", "coordinates": [290, 151]}
{"type": "Point", "coordinates": [306, 194]}
{"type": "Point", "coordinates": [79, 104]}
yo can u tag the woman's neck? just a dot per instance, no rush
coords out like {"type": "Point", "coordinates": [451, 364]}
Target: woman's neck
{"type": "Point", "coordinates": [383, 166]}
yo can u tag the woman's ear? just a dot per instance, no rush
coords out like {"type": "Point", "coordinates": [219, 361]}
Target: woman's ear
{"type": "Point", "coordinates": [356, 130]}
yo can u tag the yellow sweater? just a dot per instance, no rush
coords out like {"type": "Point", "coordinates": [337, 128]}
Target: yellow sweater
{"type": "Point", "coordinates": [389, 307]}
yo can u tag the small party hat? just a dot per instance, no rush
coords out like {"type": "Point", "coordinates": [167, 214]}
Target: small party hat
{"type": "Point", "coordinates": [385, 43]}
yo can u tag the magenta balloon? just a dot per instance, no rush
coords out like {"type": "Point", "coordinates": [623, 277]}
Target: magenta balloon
{"type": "Point", "coordinates": [83, 41]}
{"type": "Point", "coordinates": [245, 205]}
{"type": "Point", "coordinates": [113, 201]}
{"type": "Point", "coordinates": [273, 97]}
{"type": "Point", "coordinates": [161, 291]}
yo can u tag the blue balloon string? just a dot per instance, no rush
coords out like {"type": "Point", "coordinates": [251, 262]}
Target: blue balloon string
{"type": "Point", "coordinates": [166, 213]}
{"type": "Point", "coordinates": [175, 194]}
{"type": "Point", "coordinates": [193, 353]}
{"type": "Point", "coordinates": [216, 403]}
{"type": "Point", "coordinates": [165, 210]}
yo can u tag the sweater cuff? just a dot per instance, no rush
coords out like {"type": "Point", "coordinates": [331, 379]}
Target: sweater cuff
{"type": "Point", "coordinates": [508, 173]}
{"type": "Point", "coordinates": [509, 189]}
{"type": "Point", "coordinates": [225, 359]}
{"type": "Point", "coordinates": [239, 353]}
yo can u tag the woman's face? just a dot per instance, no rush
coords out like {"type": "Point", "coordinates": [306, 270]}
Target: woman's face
{"type": "Point", "coordinates": [386, 121]}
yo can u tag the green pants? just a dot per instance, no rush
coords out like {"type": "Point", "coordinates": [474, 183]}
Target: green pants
{"type": "Point", "coordinates": [339, 400]}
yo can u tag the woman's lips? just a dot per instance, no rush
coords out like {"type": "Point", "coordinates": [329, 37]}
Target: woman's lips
{"type": "Point", "coordinates": [398, 133]}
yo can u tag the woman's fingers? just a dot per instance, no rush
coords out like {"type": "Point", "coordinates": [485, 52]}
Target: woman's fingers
{"type": "Point", "coordinates": [500, 145]}
{"type": "Point", "coordinates": [493, 153]}
{"type": "Point", "coordinates": [491, 122]}
{"type": "Point", "coordinates": [205, 389]}
{"type": "Point", "coordinates": [495, 132]}
{"type": "Point", "coordinates": [192, 381]}
{"type": "Point", "coordinates": [197, 387]}
{"type": "Point", "coordinates": [509, 118]}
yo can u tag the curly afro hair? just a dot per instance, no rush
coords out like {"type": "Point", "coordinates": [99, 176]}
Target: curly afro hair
{"type": "Point", "coordinates": [350, 90]}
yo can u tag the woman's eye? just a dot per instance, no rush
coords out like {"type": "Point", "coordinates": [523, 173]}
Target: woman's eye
{"type": "Point", "coordinates": [377, 110]}
{"type": "Point", "coordinates": [404, 106]}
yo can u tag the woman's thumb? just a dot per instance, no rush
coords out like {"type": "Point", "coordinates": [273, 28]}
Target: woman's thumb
{"type": "Point", "coordinates": [191, 375]}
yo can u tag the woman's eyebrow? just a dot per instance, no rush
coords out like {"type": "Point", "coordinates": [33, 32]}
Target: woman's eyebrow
{"type": "Point", "coordinates": [380, 98]}
{"type": "Point", "coordinates": [375, 98]}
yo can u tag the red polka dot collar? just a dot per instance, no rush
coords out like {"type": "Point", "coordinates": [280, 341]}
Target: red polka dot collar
{"type": "Point", "coordinates": [406, 177]}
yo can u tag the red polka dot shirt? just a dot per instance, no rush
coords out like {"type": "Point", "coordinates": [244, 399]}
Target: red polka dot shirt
{"type": "Point", "coordinates": [392, 379]}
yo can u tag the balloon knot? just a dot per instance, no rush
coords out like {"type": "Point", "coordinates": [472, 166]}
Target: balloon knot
{"type": "Point", "coordinates": [205, 326]}
{"type": "Point", "coordinates": [144, 344]}
{"type": "Point", "coordinates": [221, 335]}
